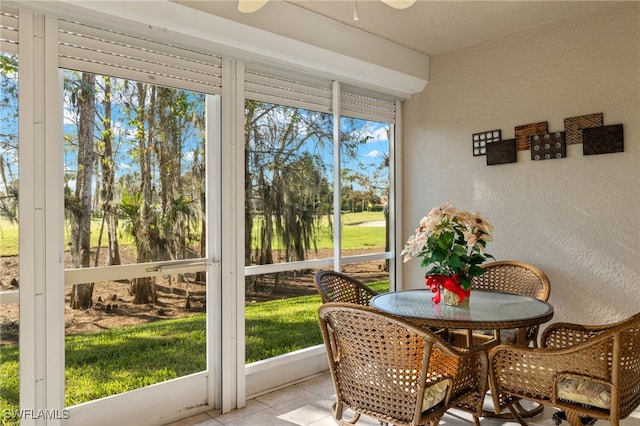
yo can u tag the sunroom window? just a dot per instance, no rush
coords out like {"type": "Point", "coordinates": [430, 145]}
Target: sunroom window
{"type": "Point", "coordinates": [312, 201]}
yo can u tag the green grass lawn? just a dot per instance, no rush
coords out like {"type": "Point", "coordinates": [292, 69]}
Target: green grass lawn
{"type": "Point", "coordinates": [353, 236]}
{"type": "Point", "coordinates": [117, 360]}
{"type": "Point", "coordinates": [8, 238]}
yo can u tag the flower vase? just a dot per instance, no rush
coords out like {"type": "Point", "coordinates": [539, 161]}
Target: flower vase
{"type": "Point", "coordinates": [452, 299]}
{"type": "Point", "coordinates": [448, 288]}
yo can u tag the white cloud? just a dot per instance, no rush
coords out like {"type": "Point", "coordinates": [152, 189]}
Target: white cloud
{"type": "Point", "coordinates": [380, 134]}
{"type": "Point", "coordinates": [373, 154]}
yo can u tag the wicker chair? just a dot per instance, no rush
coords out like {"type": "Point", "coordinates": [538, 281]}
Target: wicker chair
{"type": "Point", "coordinates": [386, 368]}
{"type": "Point", "coordinates": [508, 276]}
{"type": "Point", "coordinates": [338, 287]}
{"type": "Point", "coordinates": [588, 371]}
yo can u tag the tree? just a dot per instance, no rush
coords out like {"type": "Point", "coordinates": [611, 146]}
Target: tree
{"type": "Point", "coordinates": [8, 136]}
{"type": "Point", "coordinates": [107, 193]}
{"type": "Point", "coordinates": [80, 204]}
{"type": "Point", "coordinates": [287, 183]}
{"type": "Point", "coordinates": [161, 209]}
{"type": "Point", "coordinates": [145, 231]}
{"type": "Point", "coordinates": [177, 110]}
{"type": "Point", "coordinates": [284, 180]}
{"type": "Point", "coordinates": [158, 192]}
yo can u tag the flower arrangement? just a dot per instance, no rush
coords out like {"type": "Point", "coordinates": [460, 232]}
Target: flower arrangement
{"type": "Point", "coordinates": [451, 243]}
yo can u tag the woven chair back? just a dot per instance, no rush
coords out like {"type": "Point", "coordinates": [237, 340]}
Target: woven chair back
{"type": "Point", "coordinates": [508, 276]}
{"type": "Point", "coordinates": [338, 287]}
{"type": "Point", "coordinates": [381, 366]}
{"type": "Point", "coordinates": [611, 353]}
{"type": "Point", "coordinates": [593, 356]}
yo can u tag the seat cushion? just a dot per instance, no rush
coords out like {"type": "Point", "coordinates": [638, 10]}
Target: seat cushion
{"type": "Point", "coordinates": [584, 391]}
{"type": "Point", "coordinates": [434, 394]}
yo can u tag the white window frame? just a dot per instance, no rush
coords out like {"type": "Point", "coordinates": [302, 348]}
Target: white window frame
{"type": "Point", "coordinates": [291, 90]}
{"type": "Point", "coordinates": [42, 250]}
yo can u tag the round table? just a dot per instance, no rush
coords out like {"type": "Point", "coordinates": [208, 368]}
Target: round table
{"type": "Point", "coordinates": [486, 309]}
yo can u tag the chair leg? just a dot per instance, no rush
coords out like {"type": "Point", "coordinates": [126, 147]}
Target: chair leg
{"type": "Point", "coordinates": [573, 418]}
{"type": "Point", "coordinates": [337, 410]}
{"type": "Point", "coordinates": [516, 414]}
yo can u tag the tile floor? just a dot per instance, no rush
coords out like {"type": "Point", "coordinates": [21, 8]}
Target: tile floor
{"type": "Point", "coordinates": [309, 404]}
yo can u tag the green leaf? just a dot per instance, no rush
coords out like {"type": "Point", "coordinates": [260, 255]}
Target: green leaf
{"type": "Point", "coordinates": [459, 250]}
{"type": "Point", "coordinates": [465, 282]}
{"type": "Point", "coordinates": [475, 271]}
{"type": "Point", "coordinates": [455, 263]}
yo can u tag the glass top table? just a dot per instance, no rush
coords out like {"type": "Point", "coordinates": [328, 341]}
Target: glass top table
{"type": "Point", "coordinates": [486, 309]}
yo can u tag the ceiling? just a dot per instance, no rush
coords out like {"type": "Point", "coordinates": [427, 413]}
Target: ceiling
{"type": "Point", "coordinates": [428, 27]}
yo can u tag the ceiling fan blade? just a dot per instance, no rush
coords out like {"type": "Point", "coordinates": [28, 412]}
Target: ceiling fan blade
{"type": "Point", "coordinates": [399, 4]}
{"type": "Point", "coordinates": [248, 6]}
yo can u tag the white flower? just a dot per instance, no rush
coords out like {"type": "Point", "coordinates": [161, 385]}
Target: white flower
{"type": "Point", "coordinates": [445, 234]}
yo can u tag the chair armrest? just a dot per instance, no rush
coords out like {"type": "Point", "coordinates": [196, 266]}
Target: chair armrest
{"type": "Point", "coordinates": [516, 371]}
{"type": "Point", "coordinates": [468, 370]}
{"type": "Point", "coordinates": [564, 335]}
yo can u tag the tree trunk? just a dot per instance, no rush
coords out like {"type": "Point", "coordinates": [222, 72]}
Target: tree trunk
{"type": "Point", "coordinates": [145, 224]}
{"type": "Point", "coordinates": [168, 148]}
{"type": "Point", "coordinates": [82, 294]}
{"type": "Point", "coordinates": [108, 180]}
{"type": "Point", "coordinates": [248, 186]}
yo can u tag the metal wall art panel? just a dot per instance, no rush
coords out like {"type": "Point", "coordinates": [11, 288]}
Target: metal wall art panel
{"type": "Point", "coordinates": [602, 140]}
{"type": "Point", "coordinates": [523, 132]}
{"type": "Point", "coordinates": [548, 145]}
{"type": "Point", "coordinates": [501, 152]}
{"type": "Point", "coordinates": [480, 141]}
{"type": "Point", "coordinates": [573, 126]}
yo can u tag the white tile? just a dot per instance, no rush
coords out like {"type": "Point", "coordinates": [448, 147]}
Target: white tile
{"type": "Point", "coordinates": [268, 417]}
{"type": "Point", "coordinates": [310, 413]}
{"type": "Point", "coordinates": [198, 419]}
{"type": "Point", "coordinates": [252, 407]}
{"type": "Point", "coordinates": [321, 385]}
{"type": "Point", "coordinates": [309, 404]}
{"type": "Point", "coordinates": [284, 397]}
{"type": "Point", "coordinates": [208, 422]}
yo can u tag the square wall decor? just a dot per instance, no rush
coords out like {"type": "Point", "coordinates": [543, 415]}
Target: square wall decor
{"type": "Point", "coordinates": [501, 152]}
{"type": "Point", "coordinates": [573, 126]}
{"type": "Point", "coordinates": [480, 141]}
{"type": "Point", "coordinates": [548, 145]}
{"type": "Point", "coordinates": [602, 140]}
{"type": "Point", "coordinates": [523, 132]}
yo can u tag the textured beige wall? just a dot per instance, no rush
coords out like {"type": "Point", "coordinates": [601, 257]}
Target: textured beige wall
{"type": "Point", "coordinates": [578, 218]}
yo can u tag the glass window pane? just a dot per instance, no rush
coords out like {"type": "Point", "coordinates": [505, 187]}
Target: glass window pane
{"type": "Point", "coordinates": [134, 171]}
{"type": "Point", "coordinates": [370, 273]}
{"type": "Point", "coordinates": [119, 346]}
{"type": "Point", "coordinates": [288, 184]}
{"type": "Point", "coordinates": [365, 186]}
{"type": "Point", "coordinates": [134, 194]}
{"type": "Point", "coordinates": [9, 238]}
{"type": "Point", "coordinates": [281, 314]}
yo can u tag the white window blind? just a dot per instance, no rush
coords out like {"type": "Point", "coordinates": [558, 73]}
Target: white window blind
{"type": "Point", "coordinates": [88, 48]}
{"type": "Point", "coordinates": [266, 85]}
{"type": "Point", "coordinates": [278, 87]}
{"type": "Point", "coordinates": [360, 103]}
{"type": "Point", "coordinates": [9, 30]}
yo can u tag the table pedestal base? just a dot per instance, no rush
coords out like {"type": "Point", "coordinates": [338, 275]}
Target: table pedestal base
{"type": "Point", "coordinates": [516, 412]}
